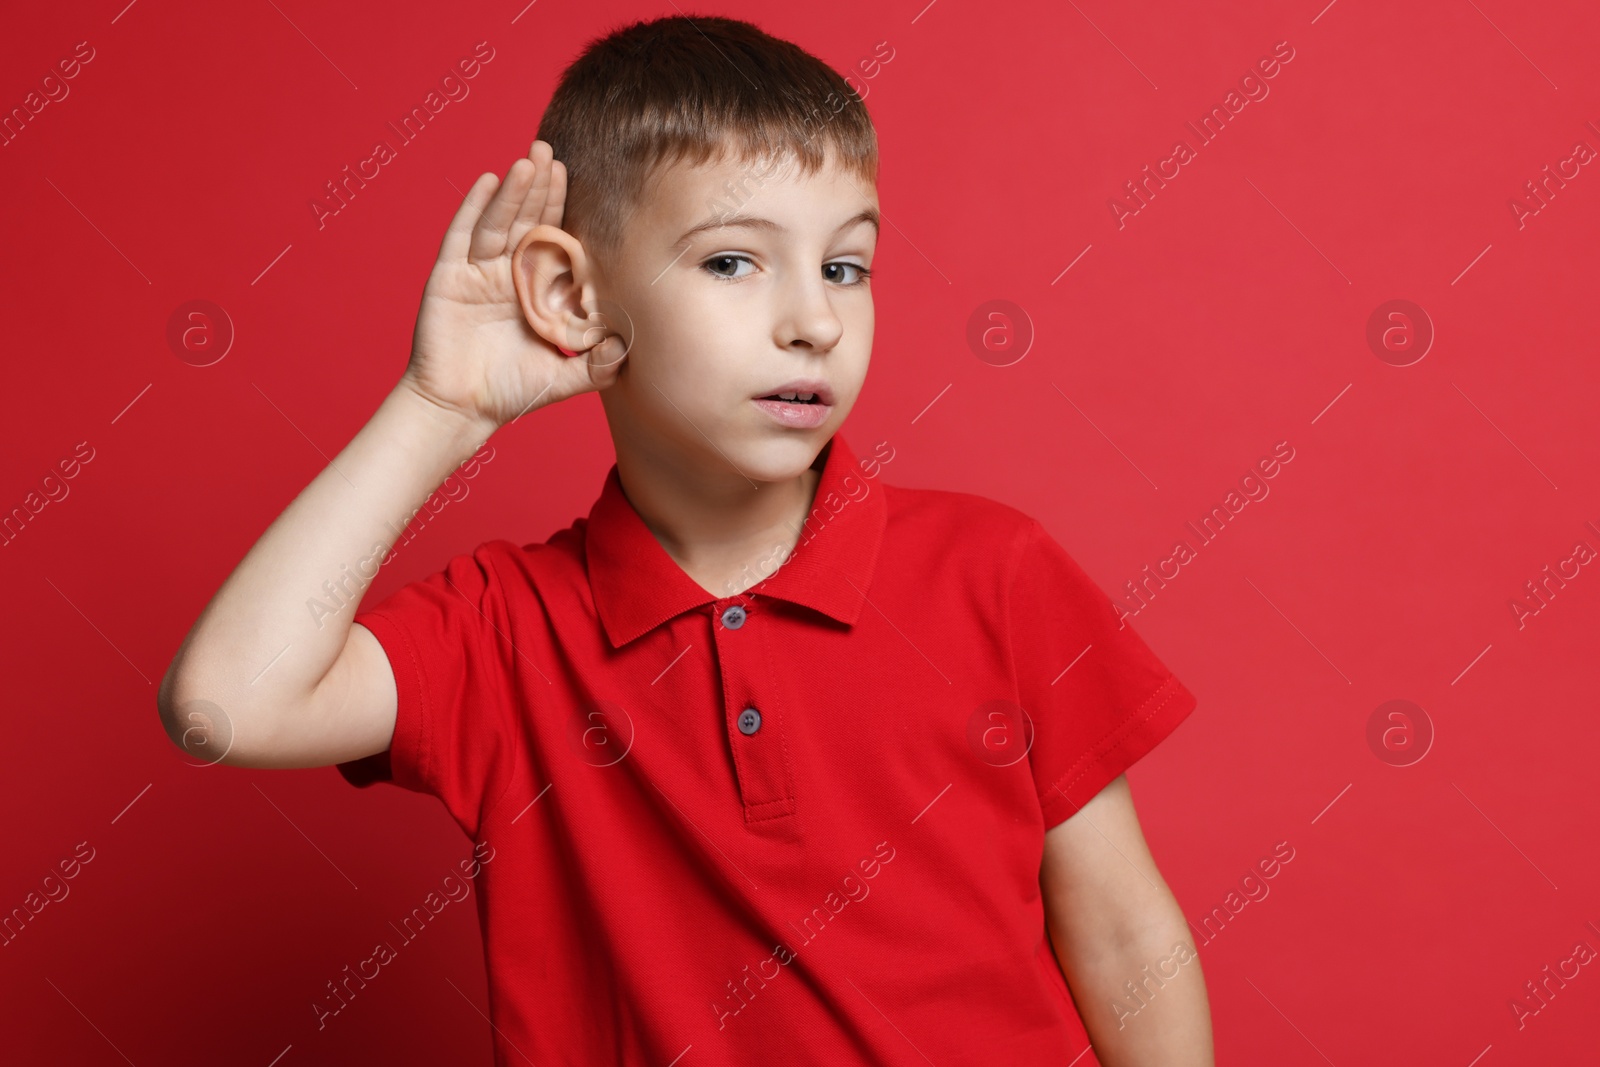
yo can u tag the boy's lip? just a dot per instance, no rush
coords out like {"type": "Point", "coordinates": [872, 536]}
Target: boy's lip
{"type": "Point", "coordinates": [803, 385]}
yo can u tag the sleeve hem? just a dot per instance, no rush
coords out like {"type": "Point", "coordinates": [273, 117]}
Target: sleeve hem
{"type": "Point", "coordinates": [411, 715]}
{"type": "Point", "coordinates": [1139, 732]}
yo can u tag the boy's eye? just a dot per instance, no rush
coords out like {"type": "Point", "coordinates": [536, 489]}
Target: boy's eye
{"type": "Point", "coordinates": [717, 264]}
{"type": "Point", "coordinates": [717, 267]}
{"type": "Point", "coordinates": [861, 273]}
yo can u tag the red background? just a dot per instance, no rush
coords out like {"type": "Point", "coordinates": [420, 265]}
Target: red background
{"type": "Point", "coordinates": [1228, 315]}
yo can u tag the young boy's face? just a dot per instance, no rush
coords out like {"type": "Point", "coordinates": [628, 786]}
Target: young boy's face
{"type": "Point", "coordinates": [772, 292]}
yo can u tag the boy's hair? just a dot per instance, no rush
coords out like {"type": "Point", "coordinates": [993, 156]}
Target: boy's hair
{"type": "Point", "coordinates": [681, 89]}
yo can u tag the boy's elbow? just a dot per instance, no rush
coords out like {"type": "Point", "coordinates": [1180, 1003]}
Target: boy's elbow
{"type": "Point", "coordinates": [166, 705]}
{"type": "Point", "coordinates": [197, 726]}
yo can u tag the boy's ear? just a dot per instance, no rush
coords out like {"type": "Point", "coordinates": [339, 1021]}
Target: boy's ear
{"type": "Point", "coordinates": [555, 286]}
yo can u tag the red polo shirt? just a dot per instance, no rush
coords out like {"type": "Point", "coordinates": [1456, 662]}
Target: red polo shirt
{"type": "Point", "coordinates": [801, 824]}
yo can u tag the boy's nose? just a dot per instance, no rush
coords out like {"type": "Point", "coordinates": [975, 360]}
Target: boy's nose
{"type": "Point", "coordinates": [807, 317]}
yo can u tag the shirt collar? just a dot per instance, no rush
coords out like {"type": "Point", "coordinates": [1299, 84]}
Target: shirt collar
{"type": "Point", "coordinates": [637, 585]}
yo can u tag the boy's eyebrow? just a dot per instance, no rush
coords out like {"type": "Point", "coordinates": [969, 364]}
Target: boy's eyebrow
{"type": "Point", "coordinates": [755, 222]}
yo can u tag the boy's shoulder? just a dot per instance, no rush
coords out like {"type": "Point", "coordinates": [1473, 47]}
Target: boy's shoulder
{"type": "Point", "coordinates": [945, 506]}
{"type": "Point", "coordinates": [501, 562]}
{"type": "Point", "coordinates": [958, 526]}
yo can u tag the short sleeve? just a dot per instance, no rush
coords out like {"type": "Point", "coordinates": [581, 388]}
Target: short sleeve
{"type": "Point", "coordinates": [448, 641]}
{"type": "Point", "coordinates": [1097, 696]}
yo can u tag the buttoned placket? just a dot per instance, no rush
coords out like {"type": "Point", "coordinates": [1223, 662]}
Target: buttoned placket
{"type": "Point", "coordinates": [752, 708]}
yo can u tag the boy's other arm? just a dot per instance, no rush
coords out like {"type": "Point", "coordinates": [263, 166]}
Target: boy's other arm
{"type": "Point", "coordinates": [1113, 921]}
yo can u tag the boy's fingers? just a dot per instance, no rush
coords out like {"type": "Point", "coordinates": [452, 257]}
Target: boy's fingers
{"type": "Point", "coordinates": [556, 200]}
{"type": "Point", "coordinates": [458, 236]}
{"type": "Point", "coordinates": [489, 235]}
{"type": "Point", "coordinates": [532, 207]}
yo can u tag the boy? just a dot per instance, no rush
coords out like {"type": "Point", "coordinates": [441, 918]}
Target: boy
{"type": "Point", "coordinates": [839, 761]}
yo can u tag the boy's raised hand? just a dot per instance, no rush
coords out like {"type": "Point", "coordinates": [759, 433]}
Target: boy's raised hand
{"type": "Point", "coordinates": [473, 351]}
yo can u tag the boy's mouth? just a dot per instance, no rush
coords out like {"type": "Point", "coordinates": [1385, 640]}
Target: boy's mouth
{"type": "Point", "coordinates": [802, 391]}
{"type": "Point", "coordinates": [799, 404]}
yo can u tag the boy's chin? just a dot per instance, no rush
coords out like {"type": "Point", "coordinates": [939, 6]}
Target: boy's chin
{"type": "Point", "coordinates": [782, 458]}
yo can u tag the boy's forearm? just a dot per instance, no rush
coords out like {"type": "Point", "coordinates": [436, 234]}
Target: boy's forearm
{"type": "Point", "coordinates": [1144, 1001]}
{"type": "Point", "coordinates": [341, 524]}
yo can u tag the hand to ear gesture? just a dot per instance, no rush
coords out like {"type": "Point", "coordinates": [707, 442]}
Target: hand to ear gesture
{"type": "Point", "coordinates": [473, 351]}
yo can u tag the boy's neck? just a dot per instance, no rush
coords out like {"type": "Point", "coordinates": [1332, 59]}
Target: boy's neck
{"type": "Point", "coordinates": [720, 531]}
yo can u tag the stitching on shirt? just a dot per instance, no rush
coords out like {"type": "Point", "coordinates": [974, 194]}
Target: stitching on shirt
{"type": "Point", "coordinates": [740, 764]}
{"type": "Point", "coordinates": [1013, 571]}
{"type": "Point", "coordinates": [419, 676]}
{"type": "Point", "coordinates": [727, 707]}
{"type": "Point", "coordinates": [1013, 568]}
{"type": "Point", "coordinates": [1115, 734]}
{"type": "Point", "coordinates": [783, 735]}
{"type": "Point", "coordinates": [784, 807]}
{"type": "Point", "coordinates": [511, 748]}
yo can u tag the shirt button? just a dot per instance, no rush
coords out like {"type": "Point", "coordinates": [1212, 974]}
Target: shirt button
{"type": "Point", "coordinates": [733, 616]}
{"type": "Point", "coordinates": [749, 721]}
